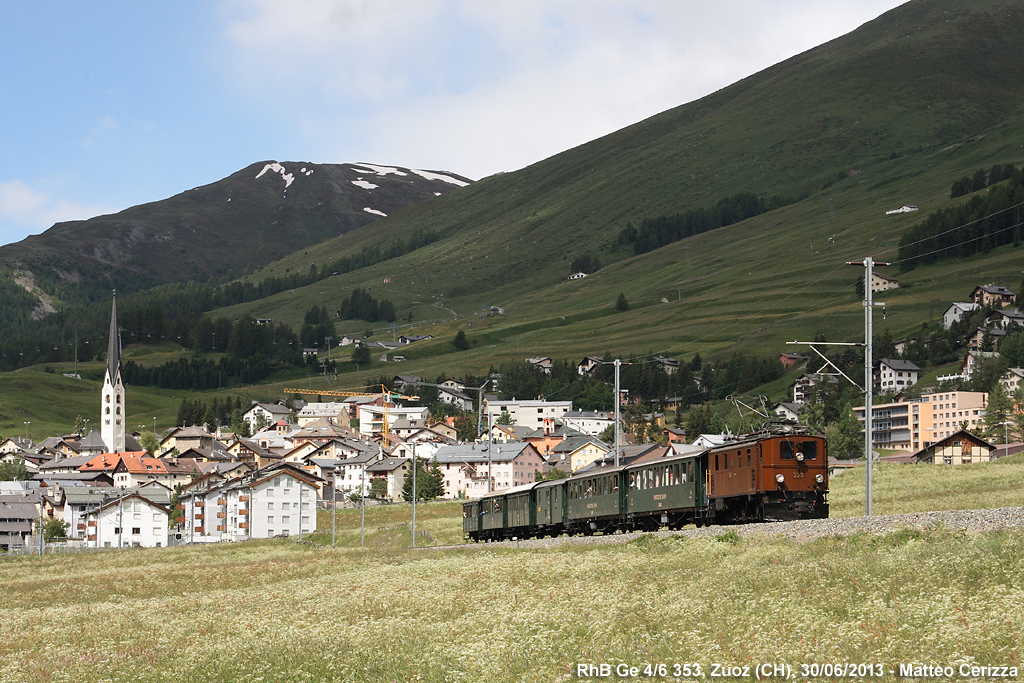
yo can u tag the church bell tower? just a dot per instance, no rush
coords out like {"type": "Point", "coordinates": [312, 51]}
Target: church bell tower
{"type": "Point", "coordinates": [112, 408]}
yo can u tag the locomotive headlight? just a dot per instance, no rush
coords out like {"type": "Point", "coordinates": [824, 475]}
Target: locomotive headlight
{"type": "Point", "coordinates": [819, 478]}
{"type": "Point", "coordinates": [779, 478]}
{"type": "Point", "coordinates": [799, 456]}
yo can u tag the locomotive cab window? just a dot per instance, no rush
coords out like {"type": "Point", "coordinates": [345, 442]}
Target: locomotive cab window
{"type": "Point", "coordinates": [809, 449]}
{"type": "Point", "coordinates": [786, 450]}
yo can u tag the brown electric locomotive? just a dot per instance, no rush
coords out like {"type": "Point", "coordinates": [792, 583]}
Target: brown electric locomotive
{"type": "Point", "coordinates": [768, 477]}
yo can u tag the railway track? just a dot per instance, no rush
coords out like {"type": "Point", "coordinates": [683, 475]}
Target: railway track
{"type": "Point", "coordinates": [800, 531]}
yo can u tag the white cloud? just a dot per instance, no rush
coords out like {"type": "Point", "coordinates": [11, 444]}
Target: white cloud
{"type": "Point", "coordinates": [25, 207]}
{"type": "Point", "coordinates": [475, 87]}
{"type": "Point", "coordinates": [102, 127]}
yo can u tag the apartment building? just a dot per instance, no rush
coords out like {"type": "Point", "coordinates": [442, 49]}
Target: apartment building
{"type": "Point", "coordinates": [917, 424]}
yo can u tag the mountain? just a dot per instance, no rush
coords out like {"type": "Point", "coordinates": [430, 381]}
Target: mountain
{"type": "Point", "coordinates": [890, 114]}
{"type": "Point", "coordinates": [919, 79]}
{"type": "Point", "coordinates": [261, 213]}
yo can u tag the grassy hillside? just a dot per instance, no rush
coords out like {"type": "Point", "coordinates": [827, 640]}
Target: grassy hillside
{"type": "Point", "coordinates": [838, 124]}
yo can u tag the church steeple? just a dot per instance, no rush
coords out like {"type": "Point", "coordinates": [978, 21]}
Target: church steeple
{"type": "Point", "coordinates": [112, 408]}
{"type": "Point", "coordinates": [114, 342]}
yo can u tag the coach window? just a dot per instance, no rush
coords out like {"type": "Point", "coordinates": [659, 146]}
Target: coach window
{"type": "Point", "coordinates": [786, 450]}
{"type": "Point", "coordinates": [810, 450]}
{"type": "Point", "coordinates": [748, 457]}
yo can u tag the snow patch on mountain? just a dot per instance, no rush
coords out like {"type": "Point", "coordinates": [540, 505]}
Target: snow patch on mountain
{"type": "Point", "coordinates": [277, 168]}
{"type": "Point", "coordinates": [440, 176]}
{"type": "Point", "coordinates": [365, 184]}
{"type": "Point", "coordinates": [379, 170]}
{"type": "Point", "coordinates": [374, 211]}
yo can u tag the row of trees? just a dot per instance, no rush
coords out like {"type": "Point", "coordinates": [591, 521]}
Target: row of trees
{"type": "Point", "coordinates": [361, 305]}
{"type": "Point", "coordinates": [980, 180]}
{"type": "Point", "coordinates": [984, 222]}
{"type": "Point", "coordinates": [657, 232]}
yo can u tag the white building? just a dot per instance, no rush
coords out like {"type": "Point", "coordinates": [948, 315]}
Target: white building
{"type": "Point", "coordinates": [893, 376]}
{"type": "Point", "coordinates": [276, 501]}
{"type": "Point", "coordinates": [271, 413]}
{"type": "Point", "coordinates": [334, 412]}
{"type": "Point", "coordinates": [956, 313]}
{"type": "Point", "coordinates": [527, 413]}
{"type": "Point", "coordinates": [128, 522]}
{"type": "Point", "coordinates": [591, 422]}
{"type": "Point", "coordinates": [371, 418]}
{"type": "Point", "coordinates": [880, 283]}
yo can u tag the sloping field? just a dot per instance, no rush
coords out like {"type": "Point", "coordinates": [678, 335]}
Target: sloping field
{"type": "Point", "coordinates": [283, 611]}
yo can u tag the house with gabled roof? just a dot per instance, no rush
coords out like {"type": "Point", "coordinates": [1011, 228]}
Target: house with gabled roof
{"type": "Point", "coordinates": [270, 412]}
{"type": "Point", "coordinates": [1006, 318]}
{"type": "Point", "coordinates": [957, 311]}
{"type": "Point", "coordinates": [578, 451]}
{"type": "Point", "coordinates": [585, 366]}
{"type": "Point", "coordinates": [130, 521]}
{"type": "Point", "coordinates": [894, 375]}
{"type": "Point", "coordinates": [959, 448]}
{"type": "Point", "coordinates": [991, 295]}
{"type": "Point", "coordinates": [465, 467]}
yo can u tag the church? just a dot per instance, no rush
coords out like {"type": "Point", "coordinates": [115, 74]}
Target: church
{"type": "Point", "coordinates": [112, 408]}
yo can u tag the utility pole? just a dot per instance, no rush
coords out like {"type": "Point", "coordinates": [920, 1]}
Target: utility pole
{"type": "Point", "coordinates": [415, 466]}
{"type": "Point", "coordinates": [869, 305]}
{"type": "Point", "coordinates": [618, 365]}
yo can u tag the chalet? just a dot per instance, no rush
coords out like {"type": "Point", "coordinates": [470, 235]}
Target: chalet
{"type": "Point", "coordinates": [1006, 318]}
{"type": "Point", "coordinates": [1012, 380]}
{"type": "Point", "coordinates": [393, 472]}
{"type": "Point", "coordinates": [585, 366]}
{"type": "Point", "coordinates": [270, 412]}
{"type": "Point", "coordinates": [543, 364]}
{"type": "Point", "coordinates": [991, 295]}
{"type": "Point", "coordinates": [674, 435]}
{"type": "Point", "coordinates": [972, 359]}
{"type": "Point", "coordinates": [506, 433]}
{"type": "Point", "coordinates": [789, 360]}
{"type": "Point", "coordinates": [669, 365]}
{"type": "Point", "coordinates": [788, 411]}
{"type": "Point", "coordinates": [14, 444]}
{"type": "Point", "coordinates": [983, 335]}
{"type": "Point", "coordinates": [551, 433]}
{"type": "Point", "coordinates": [455, 397]}
{"type": "Point", "coordinates": [807, 384]}
{"type": "Point", "coordinates": [411, 338]}
{"type": "Point", "coordinates": [957, 312]}
{"type": "Point", "coordinates": [958, 448]}
{"type": "Point", "coordinates": [881, 283]}
{"type": "Point", "coordinates": [578, 451]}
{"type": "Point", "coordinates": [891, 375]}
{"type": "Point", "coordinates": [401, 381]}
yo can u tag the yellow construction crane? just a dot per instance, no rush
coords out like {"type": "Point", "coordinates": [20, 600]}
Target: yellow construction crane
{"type": "Point", "coordinates": [385, 394]}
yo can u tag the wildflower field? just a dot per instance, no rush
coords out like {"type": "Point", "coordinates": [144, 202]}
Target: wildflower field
{"type": "Point", "coordinates": [285, 611]}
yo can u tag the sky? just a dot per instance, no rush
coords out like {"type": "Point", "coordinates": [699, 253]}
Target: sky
{"type": "Point", "coordinates": [110, 104]}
